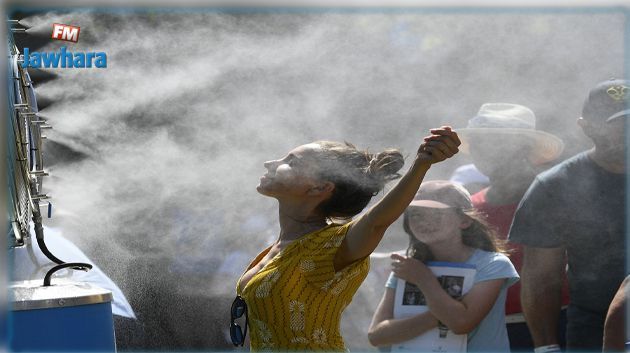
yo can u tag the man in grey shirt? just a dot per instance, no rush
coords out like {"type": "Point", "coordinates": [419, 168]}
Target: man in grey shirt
{"type": "Point", "coordinates": [577, 210]}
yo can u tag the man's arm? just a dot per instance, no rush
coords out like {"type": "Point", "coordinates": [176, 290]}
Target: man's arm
{"type": "Point", "coordinates": [614, 328]}
{"type": "Point", "coordinates": [541, 284]}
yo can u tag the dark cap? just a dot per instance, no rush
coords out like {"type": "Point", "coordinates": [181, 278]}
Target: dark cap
{"type": "Point", "coordinates": [607, 101]}
{"type": "Point", "coordinates": [442, 194]}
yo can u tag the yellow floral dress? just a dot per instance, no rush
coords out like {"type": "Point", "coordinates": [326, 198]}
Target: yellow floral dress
{"type": "Point", "coordinates": [295, 302]}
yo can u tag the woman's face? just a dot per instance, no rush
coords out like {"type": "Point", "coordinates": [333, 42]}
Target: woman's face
{"type": "Point", "coordinates": [435, 225]}
{"type": "Point", "coordinates": [293, 175]}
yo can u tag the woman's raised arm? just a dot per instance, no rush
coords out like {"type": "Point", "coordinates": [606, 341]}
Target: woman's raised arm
{"type": "Point", "coordinates": [367, 231]}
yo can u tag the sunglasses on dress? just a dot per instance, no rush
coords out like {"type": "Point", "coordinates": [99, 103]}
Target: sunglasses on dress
{"type": "Point", "coordinates": [239, 308]}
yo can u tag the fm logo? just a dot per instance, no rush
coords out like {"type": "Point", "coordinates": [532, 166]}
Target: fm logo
{"type": "Point", "coordinates": [65, 32]}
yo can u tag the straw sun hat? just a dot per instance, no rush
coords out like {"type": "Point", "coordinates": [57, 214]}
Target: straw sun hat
{"type": "Point", "coordinates": [507, 120]}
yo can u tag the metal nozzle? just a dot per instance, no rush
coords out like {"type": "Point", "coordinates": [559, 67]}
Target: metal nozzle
{"type": "Point", "coordinates": [38, 173]}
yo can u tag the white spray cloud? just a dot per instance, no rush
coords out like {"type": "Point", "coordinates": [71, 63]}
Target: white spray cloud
{"type": "Point", "coordinates": [177, 127]}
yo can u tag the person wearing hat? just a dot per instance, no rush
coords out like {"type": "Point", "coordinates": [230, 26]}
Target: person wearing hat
{"type": "Point", "coordinates": [443, 226]}
{"type": "Point", "coordinates": [511, 160]}
{"type": "Point", "coordinates": [577, 209]}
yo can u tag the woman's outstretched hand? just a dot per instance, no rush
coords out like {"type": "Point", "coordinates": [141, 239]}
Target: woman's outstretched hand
{"type": "Point", "coordinates": [442, 144]}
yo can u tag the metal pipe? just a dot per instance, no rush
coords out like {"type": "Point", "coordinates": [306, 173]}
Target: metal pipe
{"type": "Point", "coordinates": [38, 173]}
{"type": "Point", "coordinates": [74, 265]}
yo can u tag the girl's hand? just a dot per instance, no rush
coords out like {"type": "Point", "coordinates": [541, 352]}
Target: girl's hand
{"type": "Point", "coordinates": [410, 269]}
{"type": "Point", "coordinates": [442, 144]}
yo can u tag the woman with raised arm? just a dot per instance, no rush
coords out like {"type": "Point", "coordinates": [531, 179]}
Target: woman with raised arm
{"type": "Point", "coordinates": [294, 292]}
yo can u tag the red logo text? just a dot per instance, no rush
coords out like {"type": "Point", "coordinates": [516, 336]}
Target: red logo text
{"type": "Point", "coordinates": [65, 32]}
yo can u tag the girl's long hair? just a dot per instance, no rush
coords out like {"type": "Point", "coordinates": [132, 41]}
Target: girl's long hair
{"type": "Point", "coordinates": [479, 235]}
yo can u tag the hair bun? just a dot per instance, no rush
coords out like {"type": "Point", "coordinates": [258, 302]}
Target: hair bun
{"type": "Point", "coordinates": [384, 166]}
{"type": "Point", "coordinates": [358, 176]}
